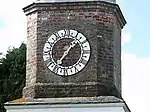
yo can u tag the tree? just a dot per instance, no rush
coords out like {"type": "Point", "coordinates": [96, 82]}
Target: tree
{"type": "Point", "coordinates": [12, 73]}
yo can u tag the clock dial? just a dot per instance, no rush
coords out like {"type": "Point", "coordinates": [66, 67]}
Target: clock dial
{"type": "Point", "coordinates": [66, 52]}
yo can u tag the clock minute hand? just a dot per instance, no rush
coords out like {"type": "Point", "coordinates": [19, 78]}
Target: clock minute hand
{"type": "Point", "coordinates": [73, 43]}
{"type": "Point", "coordinates": [67, 51]}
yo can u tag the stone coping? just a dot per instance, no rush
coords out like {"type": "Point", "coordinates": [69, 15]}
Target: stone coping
{"type": "Point", "coordinates": [54, 1]}
{"type": "Point", "coordinates": [66, 100]}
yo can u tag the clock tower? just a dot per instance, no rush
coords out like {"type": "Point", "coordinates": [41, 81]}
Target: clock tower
{"type": "Point", "coordinates": [74, 51]}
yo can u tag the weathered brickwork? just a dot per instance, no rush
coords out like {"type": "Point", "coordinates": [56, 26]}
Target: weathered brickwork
{"type": "Point", "coordinates": [101, 23]}
{"type": "Point", "coordinates": [31, 68]}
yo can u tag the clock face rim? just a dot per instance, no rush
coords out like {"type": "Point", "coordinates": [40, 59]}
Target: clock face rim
{"type": "Point", "coordinates": [81, 43]}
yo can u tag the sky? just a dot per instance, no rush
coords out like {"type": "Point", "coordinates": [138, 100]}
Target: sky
{"type": "Point", "coordinates": [135, 45]}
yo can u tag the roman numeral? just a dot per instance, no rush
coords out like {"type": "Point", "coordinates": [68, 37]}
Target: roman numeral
{"type": "Point", "coordinates": [65, 72]}
{"type": "Point", "coordinates": [49, 63]}
{"type": "Point", "coordinates": [57, 36]}
{"type": "Point", "coordinates": [76, 70]}
{"type": "Point", "coordinates": [76, 35]}
{"type": "Point", "coordinates": [51, 44]}
{"type": "Point", "coordinates": [46, 58]}
{"type": "Point", "coordinates": [55, 69]}
{"type": "Point", "coordinates": [86, 51]}
{"type": "Point", "coordinates": [46, 52]}
{"type": "Point", "coordinates": [67, 32]}
{"type": "Point", "coordinates": [83, 61]}
{"type": "Point", "coordinates": [83, 41]}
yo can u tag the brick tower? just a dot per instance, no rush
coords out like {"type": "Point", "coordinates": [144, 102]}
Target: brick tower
{"type": "Point", "coordinates": [101, 23]}
{"type": "Point", "coordinates": [74, 52]}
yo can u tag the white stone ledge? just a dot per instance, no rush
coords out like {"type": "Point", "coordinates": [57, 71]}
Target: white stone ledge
{"type": "Point", "coordinates": [106, 107]}
{"type": "Point", "coordinates": [51, 1]}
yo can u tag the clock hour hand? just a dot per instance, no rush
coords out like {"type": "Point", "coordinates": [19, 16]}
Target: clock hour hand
{"type": "Point", "coordinates": [73, 43]}
{"type": "Point", "coordinates": [63, 56]}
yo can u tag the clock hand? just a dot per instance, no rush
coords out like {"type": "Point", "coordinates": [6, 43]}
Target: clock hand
{"type": "Point", "coordinates": [73, 43]}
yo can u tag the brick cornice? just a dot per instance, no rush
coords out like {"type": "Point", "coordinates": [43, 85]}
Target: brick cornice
{"type": "Point", "coordinates": [34, 7]}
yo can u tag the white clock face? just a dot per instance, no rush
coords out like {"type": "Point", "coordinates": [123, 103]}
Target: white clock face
{"type": "Point", "coordinates": [66, 52]}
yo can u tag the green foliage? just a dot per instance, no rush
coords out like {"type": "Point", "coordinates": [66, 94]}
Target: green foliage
{"type": "Point", "coordinates": [12, 74]}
